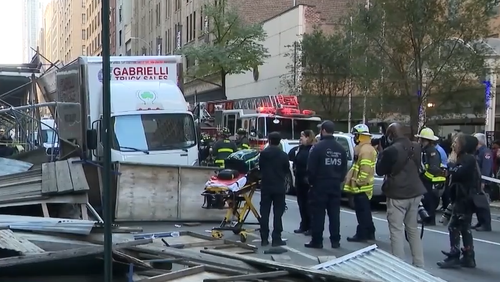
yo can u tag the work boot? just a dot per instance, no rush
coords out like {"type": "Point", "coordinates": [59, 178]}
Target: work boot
{"type": "Point", "coordinates": [278, 243]}
{"type": "Point", "coordinates": [313, 245]}
{"type": "Point", "coordinates": [308, 233]}
{"type": "Point", "coordinates": [335, 245]}
{"type": "Point", "coordinates": [299, 231]}
{"type": "Point", "coordinates": [371, 237]}
{"type": "Point", "coordinates": [483, 228]}
{"type": "Point", "coordinates": [468, 259]}
{"type": "Point", "coordinates": [356, 238]}
{"type": "Point", "coordinates": [452, 260]}
{"type": "Point", "coordinates": [264, 242]}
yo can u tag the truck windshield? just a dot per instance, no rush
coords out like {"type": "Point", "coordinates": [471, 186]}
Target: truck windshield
{"type": "Point", "coordinates": [49, 136]}
{"type": "Point", "coordinates": [289, 128]}
{"type": "Point", "coordinates": [153, 132]}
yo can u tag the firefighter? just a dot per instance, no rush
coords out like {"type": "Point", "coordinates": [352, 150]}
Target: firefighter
{"type": "Point", "coordinates": [432, 172]}
{"type": "Point", "coordinates": [223, 147]}
{"type": "Point", "coordinates": [359, 183]}
{"type": "Point", "coordinates": [242, 139]}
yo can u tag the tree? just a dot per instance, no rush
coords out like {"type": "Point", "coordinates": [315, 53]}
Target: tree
{"type": "Point", "coordinates": [429, 50]}
{"type": "Point", "coordinates": [320, 71]}
{"type": "Point", "coordinates": [231, 46]}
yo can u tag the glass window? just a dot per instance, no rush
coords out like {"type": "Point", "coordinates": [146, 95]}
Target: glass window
{"type": "Point", "coordinates": [153, 132]}
{"type": "Point", "coordinates": [345, 143]}
{"type": "Point", "coordinates": [290, 128]}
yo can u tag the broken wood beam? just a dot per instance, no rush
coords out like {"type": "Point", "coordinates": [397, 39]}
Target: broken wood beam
{"type": "Point", "coordinates": [196, 256]}
{"type": "Point", "coordinates": [175, 274]}
{"type": "Point", "coordinates": [288, 267]}
{"type": "Point", "coordinates": [249, 277]}
{"type": "Point", "coordinates": [66, 254]}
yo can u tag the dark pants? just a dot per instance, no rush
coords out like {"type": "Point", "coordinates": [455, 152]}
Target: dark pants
{"type": "Point", "coordinates": [320, 202]}
{"type": "Point", "coordinates": [277, 200]}
{"type": "Point", "coordinates": [460, 225]}
{"type": "Point", "coordinates": [483, 216]}
{"type": "Point", "coordinates": [362, 207]}
{"type": "Point", "coordinates": [445, 198]}
{"type": "Point", "coordinates": [430, 201]}
{"type": "Point", "coordinates": [304, 206]}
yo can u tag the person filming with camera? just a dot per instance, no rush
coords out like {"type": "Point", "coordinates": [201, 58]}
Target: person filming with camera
{"type": "Point", "coordinates": [464, 179]}
{"type": "Point", "coordinates": [399, 163]}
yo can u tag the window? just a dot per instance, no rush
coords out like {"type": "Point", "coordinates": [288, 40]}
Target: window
{"type": "Point", "coordinates": [193, 25]}
{"type": "Point", "coordinates": [84, 19]}
{"type": "Point", "coordinates": [168, 8]}
{"type": "Point", "coordinates": [153, 132]}
{"type": "Point", "coordinates": [120, 38]}
{"type": "Point", "coordinates": [84, 34]}
{"type": "Point", "coordinates": [289, 128]}
{"type": "Point", "coordinates": [345, 144]}
{"type": "Point", "coordinates": [177, 5]}
{"type": "Point", "coordinates": [120, 14]}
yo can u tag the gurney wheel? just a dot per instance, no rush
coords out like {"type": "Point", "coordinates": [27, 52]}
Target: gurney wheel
{"type": "Point", "coordinates": [243, 236]}
{"type": "Point", "coordinates": [216, 234]}
{"type": "Point", "coordinates": [237, 228]}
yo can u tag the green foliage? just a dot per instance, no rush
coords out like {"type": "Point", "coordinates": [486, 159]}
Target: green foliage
{"type": "Point", "coordinates": [427, 47]}
{"type": "Point", "coordinates": [235, 46]}
{"type": "Point", "coordinates": [320, 70]}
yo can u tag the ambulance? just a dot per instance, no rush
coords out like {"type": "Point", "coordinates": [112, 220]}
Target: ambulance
{"type": "Point", "coordinates": [151, 121]}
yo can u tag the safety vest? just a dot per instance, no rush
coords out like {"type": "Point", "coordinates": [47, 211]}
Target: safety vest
{"type": "Point", "coordinates": [361, 176]}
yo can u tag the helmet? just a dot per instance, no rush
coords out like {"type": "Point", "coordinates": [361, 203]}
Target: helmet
{"type": "Point", "coordinates": [361, 129]}
{"type": "Point", "coordinates": [225, 131]}
{"type": "Point", "coordinates": [241, 131]}
{"type": "Point", "coordinates": [427, 133]}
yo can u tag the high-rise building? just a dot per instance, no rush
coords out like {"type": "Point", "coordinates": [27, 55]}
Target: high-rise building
{"type": "Point", "coordinates": [63, 32]}
{"type": "Point", "coordinates": [123, 19]}
{"type": "Point", "coordinates": [32, 21]}
{"type": "Point", "coordinates": [161, 27]}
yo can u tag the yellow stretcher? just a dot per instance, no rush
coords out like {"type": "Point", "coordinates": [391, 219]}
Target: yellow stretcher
{"type": "Point", "coordinates": [238, 204]}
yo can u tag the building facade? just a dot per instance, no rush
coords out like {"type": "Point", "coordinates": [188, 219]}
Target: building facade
{"type": "Point", "coordinates": [112, 27]}
{"type": "Point", "coordinates": [63, 32]}
{"type": "Point", "coordinates": [31, 21]}
{"type": "Point", "coordinates": [92, 28]}
{"type": "Point", "coordinates": [123, 19]}
{"type": "Point", "coordinates": [161, 27]}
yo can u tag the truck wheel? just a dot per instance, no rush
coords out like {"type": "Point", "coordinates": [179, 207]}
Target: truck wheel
{"type": "Point", "coordinates": [289, 185]}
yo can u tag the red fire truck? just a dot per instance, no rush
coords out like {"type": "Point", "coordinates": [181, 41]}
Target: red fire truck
{"type": "Point", "coordinates": [259, 116]}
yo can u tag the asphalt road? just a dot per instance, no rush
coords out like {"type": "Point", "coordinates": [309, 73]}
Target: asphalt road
{"type": "Point", "coordinates": [487, 245]}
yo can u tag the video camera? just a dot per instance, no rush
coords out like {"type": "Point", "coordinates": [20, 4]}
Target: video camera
{"type": "Point", "coordinates": [382, 141]}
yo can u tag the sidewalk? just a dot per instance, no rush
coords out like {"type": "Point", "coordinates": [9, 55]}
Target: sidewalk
{"type": "Point", "coordinates": [495, 205]}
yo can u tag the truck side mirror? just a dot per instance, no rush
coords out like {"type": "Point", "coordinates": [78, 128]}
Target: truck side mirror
{"type": "Point", "coordinates": [91, 139]}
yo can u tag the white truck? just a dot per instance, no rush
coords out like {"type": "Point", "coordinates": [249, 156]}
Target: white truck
{"type": "Point", "coordinates": [150, 119]}
{"type": "Point", "coordinates": [49, 138]}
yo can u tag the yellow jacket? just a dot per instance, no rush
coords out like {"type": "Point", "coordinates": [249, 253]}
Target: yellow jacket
{"type": "Point", "coordinates": [360, 177]}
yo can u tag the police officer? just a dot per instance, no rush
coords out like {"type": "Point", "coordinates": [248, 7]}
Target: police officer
{"type": "Point", "coordinates": [432, 172]}
{"type": "Point", "coordinates": [485, 161]}
{"type": "Point", "coordinates": [326, 169]}
{"type": "Point", "coordinates": [242, 140]}
{"type": "Point", "coordinates": [359, 183]}
{"type": "Point", "coordinates": [223, 148]}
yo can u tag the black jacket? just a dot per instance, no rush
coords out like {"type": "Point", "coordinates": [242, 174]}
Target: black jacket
{"type": "Point", "coordinates": [400, 163]}
{"type": "Point", "coordinates": [465, 178]}
{"type": "Point", "coordinates": [327, 164]}
{"type": "Point", "coordinates": [274, 167]}
{"type": "Point", "coordinates": [300, 164]}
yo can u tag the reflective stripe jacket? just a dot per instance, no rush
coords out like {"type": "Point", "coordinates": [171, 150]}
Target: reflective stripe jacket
{"type": "Point", "coordinates": [360, 177]}
{"type": "Point", "coordinates": [433, 169]}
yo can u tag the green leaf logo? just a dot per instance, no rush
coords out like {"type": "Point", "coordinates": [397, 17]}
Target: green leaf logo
{"type": "Point", "coordinates": [147, 95]}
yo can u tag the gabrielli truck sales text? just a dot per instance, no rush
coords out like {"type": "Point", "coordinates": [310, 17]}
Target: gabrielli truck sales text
{"type": "Point", "coordinates": [140, 73]}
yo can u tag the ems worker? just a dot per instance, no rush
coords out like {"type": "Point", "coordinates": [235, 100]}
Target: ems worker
{"type": "Point", "coordinates": [485, 161]}
{"type": "Point", "coordinates": [359, 183]}
{"type": "Point", "coordinates": [326, 169]}
{"type": "Point", "coordinates": [242, 140]}
{"type": "Point", "coordinates": [432, 172]}
{"type": "Point", "coordinates": [223, 148]}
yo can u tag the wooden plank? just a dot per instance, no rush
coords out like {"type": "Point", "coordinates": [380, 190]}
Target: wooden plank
{"type": "Point", "coordinates": [175, 274]}
{"type": "Point", "coordinates": [60, 255]}
{"type": "Point", "coordinates": [195, 257]}
{"type": "Point", "coordinates": [49, 184]}
{"type": "Point", "coordinates": [285, 266]}
{"type": "Point", "coordinates": [281, 258]}
{"type": "Point", "coordinates": [78, 175]}
{"type": "Point", "coordinates": [63, 177]}
{"type": "Point", "coordinates": [45, 210]}
{"type": "Point", "coordinates": [216, 269]}
{"type": "Point", "coordinates": [249, 277]}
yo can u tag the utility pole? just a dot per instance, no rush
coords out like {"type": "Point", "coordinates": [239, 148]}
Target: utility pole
{"type": "Point", "coordinates": [106, 125]}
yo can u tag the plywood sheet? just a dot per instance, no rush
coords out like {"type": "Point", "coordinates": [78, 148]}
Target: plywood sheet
{"type": "Point", "coordinates": [147, 193]}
